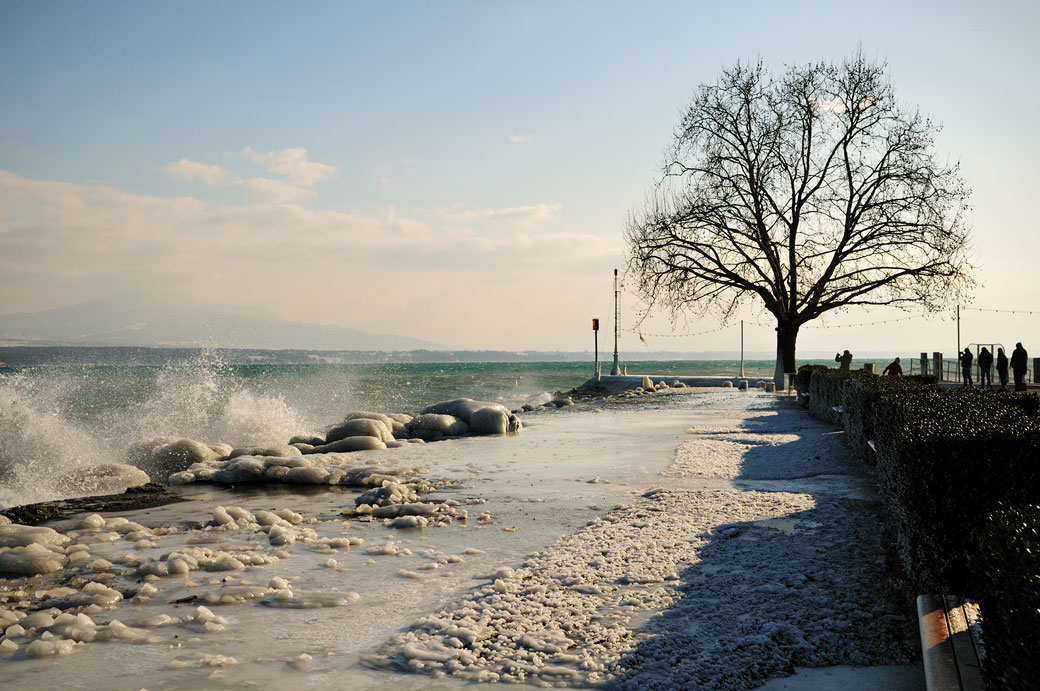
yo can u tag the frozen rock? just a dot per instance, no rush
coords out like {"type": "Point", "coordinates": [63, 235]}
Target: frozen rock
{"type": "Point", "coordinates": [160, 458]}
{"type": "Point", "coordinates": [360, 427]}
{"type": "Point", "coordinates": [355, 443]}
{"type": "Point", "coordinates": [447, 425]}
{"type": "Point", "coordinates": [494, 420]}
{"type": "Point", "coordinates": [309, 439]}
{"type": "Point", "coordinates": [364, 415]}
{"type": "Point", "coordinates": [103, 478]}
{"type": "Point", "coordinates": [647, 383]}
{"type": "Point", "coordinates": [274, 451]}
{"type": "Point", "coordinates": [30, 560]}
{"type": "Point", "coordinates": [14, 535]}
{"type": "Point", "coordinates": [4, 520]}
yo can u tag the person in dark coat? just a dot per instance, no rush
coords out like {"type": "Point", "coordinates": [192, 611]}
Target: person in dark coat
{"type": "Point", "coordinates": [1002, 367]}
{"type": "Point", "coordinates": [894, 369]}
{"type": "Point", "coordinates": [1019, 358]}
{"type": "Point", "coordinates": [985, 363]}
{"type": "Point", "coordinates": [966, 357]}
{"type": "Point", "coordinates": [845, 360]}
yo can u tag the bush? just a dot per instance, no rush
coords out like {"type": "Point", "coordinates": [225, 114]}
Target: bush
{"type": "Point", "coordinates": [860, 394]}
{"type": "Point", "coordinates": [959, 470]}
{"type": "Point", "coordinates": [946, 460]}
{"type": "Point", "coordinates": [803, 378]}
{"type": "Point", "coordinates": [1005, 565]}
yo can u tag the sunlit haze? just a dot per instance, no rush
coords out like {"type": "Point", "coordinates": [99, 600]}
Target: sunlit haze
{"type": "Point", "coordinates": [458, 172]}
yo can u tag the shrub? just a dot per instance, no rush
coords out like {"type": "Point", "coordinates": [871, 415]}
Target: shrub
{"type": "Point", "coordinates": [860, 394]}
{"type": "Point", "coordinates": [946, 459]}
{"type": "Point", "coordinates": [802, 379]}
{"type": "Point", "coordinates": [1005, 565]}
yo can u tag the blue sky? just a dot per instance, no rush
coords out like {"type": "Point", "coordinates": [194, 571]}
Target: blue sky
{"type": "Point", "coordinates": [454, 171]}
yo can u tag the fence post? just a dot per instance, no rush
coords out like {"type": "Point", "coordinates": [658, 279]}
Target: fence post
{"type": "Point", "coordinates": [924, 364]}
{"type": "Point", "coordinates": [1036, 370]}
{"type": "Point", "coordinates": [937, 363]}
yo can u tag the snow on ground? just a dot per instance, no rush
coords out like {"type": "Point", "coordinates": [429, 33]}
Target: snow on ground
{"type": "Point", "coordinates": [713, 540]}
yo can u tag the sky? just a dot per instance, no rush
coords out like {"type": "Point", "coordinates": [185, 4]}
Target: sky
{"type": "Point", "coordinates": [459, 172]}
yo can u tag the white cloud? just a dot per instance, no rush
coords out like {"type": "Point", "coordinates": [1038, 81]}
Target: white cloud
{"type": "Point", "coordinates": [292, 164]}
{"type": "Point", "coordinates": [296, 171]}
{"type": "Point", "coordinates": [192, 170]}
{"type": "Point", "coordinates": [520, 138]}
{"type": "Point", "coordinates": [535, 213]}
{"type": "Point", "coordinates": [386, 272]}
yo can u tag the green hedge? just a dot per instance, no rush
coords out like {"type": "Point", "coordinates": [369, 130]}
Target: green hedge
{"type": "Point", "coordinates": [959, 470]}
{"type": "Point", "coordinates": [802, 380]}
{"type": "Point", "coordinates": [1005, 562]}
{"type": "Point", "coordinates": [860, 394]}
{"type": "Point", "coordinates": [946, 461]}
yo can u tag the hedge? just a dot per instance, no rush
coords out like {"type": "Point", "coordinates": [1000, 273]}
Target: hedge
{"type": "Point", "coordinates": [959, 470]}
{"type": "Point", "coordinates": [1006, 562]}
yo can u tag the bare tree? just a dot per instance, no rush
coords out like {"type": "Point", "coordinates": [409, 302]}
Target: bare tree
{"type": "Point", "coordinates": [806, 193]}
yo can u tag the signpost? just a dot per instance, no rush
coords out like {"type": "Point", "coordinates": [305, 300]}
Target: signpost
{"type": "Point", "coordinates": [595, 332]}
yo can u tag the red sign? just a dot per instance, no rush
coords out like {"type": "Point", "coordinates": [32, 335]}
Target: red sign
{"type": "Point", "coordinates": [595, 324]}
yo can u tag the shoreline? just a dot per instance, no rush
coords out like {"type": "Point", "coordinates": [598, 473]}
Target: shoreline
{"type": "Point", "coordinates": [703, 489]}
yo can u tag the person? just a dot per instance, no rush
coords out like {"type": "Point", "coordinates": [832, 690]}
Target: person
{"type": "Point", "coordinates": [966, 358]}
{"type": "Point", "coordinates": [894, 369]}
{"type": "Point", "coordinates": [1019, 357]}
{"type": "Point", "coordinates": [845, 359]}
{"type": "Point", "coordinates": [985, 363]}
{"type": "Point", "coordinates": [1002, 367]}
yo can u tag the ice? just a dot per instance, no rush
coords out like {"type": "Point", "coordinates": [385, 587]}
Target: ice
{"type": "Point", "coordinates": [14, 535]}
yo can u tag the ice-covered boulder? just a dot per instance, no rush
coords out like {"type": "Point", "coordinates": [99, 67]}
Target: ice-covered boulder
{"type": "Point", "coordinates": [365, 415]}
{"type": "Point", "coordinates": [359, 427]}
{"type": "Point", "coordinates": [30, 560]}
{"type": "Point", "coordinates": [15, 535]}
{"type": "Point", "coordinates": [494, 420]}
{"type": "Point", "coordinates": [356, 443]}
{"type": "Point", "coordinates": [647, 384]}
{"type": "Point", "coordinates": [103, 478]}
{"type": "Point", "coordinates": [277, 451]}
{"type": "Point", "coordinates": [445, 424]}
{"type": "Point", "coordinates": [162, 457]}
{"type": "Point", "coordinates": [310, 439]}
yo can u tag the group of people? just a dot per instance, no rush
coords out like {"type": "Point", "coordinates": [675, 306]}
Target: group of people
{"type": "Point", "coordinates": [1017, 363]}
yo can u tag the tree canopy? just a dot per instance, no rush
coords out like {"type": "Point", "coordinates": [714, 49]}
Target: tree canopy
{"type": "Point", "coordinates": [808, 192]}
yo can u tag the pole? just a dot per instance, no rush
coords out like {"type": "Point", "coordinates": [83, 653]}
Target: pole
{"type": "Point", "coordinates": [958, 342]}
{"type": "Point", "coordinates": [615, 370]}
{"type": "Point", "coordinates": [596, 337]}
{"type": "Point", "coordinates": [741, 348]}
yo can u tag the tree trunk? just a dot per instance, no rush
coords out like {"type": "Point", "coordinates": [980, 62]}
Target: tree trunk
{"type": "Point", "coordinates": [778, 373]}
{"type": "Point", "coordinates": [786, 336]}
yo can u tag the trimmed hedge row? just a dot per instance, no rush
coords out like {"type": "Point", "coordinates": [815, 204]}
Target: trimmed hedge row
{"type": "Point", "coordinates": [1010, 597]}
{"type": "Point", "coordinates": [960, 472]}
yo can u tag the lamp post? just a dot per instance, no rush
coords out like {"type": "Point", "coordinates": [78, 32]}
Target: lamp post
{"type": "Point", "coordinates": [615, 370]}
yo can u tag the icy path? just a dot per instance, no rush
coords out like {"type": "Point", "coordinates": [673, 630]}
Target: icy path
{"type": "Point", "coordinates": [712, 540]}
{"type": "Point", "coordinates": [692, 588]}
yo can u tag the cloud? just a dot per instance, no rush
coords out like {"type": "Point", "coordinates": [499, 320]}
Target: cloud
{"type": "Point", "coordinates": [192, 170]}
{"type": "Point", "coordinates": [415, 273]}
{"type": "Point", "coordinates": [520, 138]}
{"type": "Point", "coordinates": [297, 173]}
{"type": "Point", "coordinates": [535, 213]}
{"type": "Point", "coordinates": [292, 164]}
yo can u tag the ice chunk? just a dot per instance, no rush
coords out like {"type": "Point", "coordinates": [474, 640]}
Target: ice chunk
{"type": "Point", "coordinates": [14, 535]}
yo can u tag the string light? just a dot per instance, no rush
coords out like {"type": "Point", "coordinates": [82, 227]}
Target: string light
{"type": "Point", "coordinates": [984, 309]}
{"type": "Point", "coordinates": [832, 326]}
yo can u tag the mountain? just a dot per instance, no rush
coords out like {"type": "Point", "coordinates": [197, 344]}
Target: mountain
{"type": "Point", "coordinates": [139, 321]}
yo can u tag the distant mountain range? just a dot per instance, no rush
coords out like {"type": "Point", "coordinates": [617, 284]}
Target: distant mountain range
{"type": "Point", "coordinates": [135, 321]}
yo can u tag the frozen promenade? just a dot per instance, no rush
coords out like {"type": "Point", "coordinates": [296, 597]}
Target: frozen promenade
{"type": "Point", "coordinates": [718, 539]}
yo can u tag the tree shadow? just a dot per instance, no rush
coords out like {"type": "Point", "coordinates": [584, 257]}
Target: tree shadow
{"type": "Point", "coordinates": [810, 588]}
